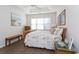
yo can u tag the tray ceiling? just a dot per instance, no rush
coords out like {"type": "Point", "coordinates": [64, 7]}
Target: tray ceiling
{"type": "Point", "coordinates": [33, 9]}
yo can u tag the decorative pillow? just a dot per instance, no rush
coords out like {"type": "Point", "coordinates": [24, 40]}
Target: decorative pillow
{"type": "Point", "coordinates": [52, 30]}
{"type": "Point", "coordinates": [60, 31]}
{"type": "Point", "coordinates": [56, 31]}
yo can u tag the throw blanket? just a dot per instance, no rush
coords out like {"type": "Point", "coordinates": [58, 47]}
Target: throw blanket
{"type": "Point", "coordinates": [40, 39]}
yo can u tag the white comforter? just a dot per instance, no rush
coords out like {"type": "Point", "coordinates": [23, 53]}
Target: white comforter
{"type": "Point", "coordinates": [40, 39]}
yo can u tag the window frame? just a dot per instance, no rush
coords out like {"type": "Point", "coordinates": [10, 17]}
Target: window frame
{"type": "Point", "coordinates": [42, 24]}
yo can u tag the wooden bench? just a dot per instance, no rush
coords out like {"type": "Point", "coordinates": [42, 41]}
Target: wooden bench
{"type": "Point", "coordinates": [9, 39]}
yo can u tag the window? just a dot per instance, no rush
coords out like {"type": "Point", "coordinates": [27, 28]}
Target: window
{"type": "Point", "coordinates": [40, 23]}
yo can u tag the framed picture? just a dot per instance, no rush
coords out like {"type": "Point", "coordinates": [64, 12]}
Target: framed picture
{"type": "Point", "coordinates": [16, 20]}
{"type": "Point", "coordinates": [62, 18]}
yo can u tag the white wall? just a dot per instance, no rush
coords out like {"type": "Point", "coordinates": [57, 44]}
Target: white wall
{"type": "Point", "coordinates": [73, 24]}
{"type": "Point", "coordinates": [5, 23]}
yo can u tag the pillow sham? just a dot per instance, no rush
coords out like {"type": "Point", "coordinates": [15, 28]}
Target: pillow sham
{"type": "Point", "coordinates": [52, 31]}
{"type": "Point", "coordinates": [58, 31]}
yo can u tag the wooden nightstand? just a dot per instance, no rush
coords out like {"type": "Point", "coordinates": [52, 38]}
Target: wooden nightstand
{"type": "Point", "coordinates": [26, 30]}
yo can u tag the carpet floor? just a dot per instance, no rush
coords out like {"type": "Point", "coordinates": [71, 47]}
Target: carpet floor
{"type": "Point", "coordinates": [19, 48]}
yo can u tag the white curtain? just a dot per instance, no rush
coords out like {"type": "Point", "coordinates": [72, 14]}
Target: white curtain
{"type": "Point", "coordinates": [41, 23]}
{"type": "Point", "coordinates": [42, 20]}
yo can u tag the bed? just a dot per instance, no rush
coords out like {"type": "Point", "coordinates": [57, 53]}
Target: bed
{"type": "Point", "coordinates": [42, 39]}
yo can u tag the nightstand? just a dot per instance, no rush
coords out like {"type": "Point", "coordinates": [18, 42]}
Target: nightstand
{"type": "Point", "coordinates": [26, 30]}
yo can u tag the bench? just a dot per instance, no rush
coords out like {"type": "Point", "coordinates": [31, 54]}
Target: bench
{"type": "Point", "coordinates": [9, 39]}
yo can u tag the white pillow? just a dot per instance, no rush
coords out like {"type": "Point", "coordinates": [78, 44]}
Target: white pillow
{"type": "Point", "coordinates": [52, 31]}
{"type": "Point", "coordinates": [58, 31]}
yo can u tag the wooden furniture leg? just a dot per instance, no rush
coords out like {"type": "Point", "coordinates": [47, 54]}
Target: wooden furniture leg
{"type": "Point", "coordinates": [8, 39]}
{"type": "Point", "coordinates": [6, 42]}
{"type": "Point", "coordinates": [9, 42]}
